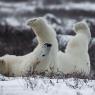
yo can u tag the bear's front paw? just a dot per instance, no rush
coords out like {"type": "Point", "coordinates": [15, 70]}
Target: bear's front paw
{"type": "Point", "coordinates": [2, 61]}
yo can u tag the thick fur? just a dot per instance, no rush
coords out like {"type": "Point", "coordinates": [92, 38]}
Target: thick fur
{"type": "Point", "coordinates": [11, 65]}
{"type": "Point", "coordinates": [45, 34]}
{"type": "Point", "coordinates": [19, 65]}
{"type": "Point", "coordinates": [76, 58]}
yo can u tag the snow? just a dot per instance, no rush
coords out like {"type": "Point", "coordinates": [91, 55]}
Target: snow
{"type": "Point", "coordinates": [29, 6]}
{"type": "Point", "coordinates": [46, 86]}
{"type": "Point", "coordinates": [19, 12]}
{"type": "Point", "coordinates": [12, 21]}
{"type": "Point", "coordinates": [16, 7]}
{"type": "Point", "coordinates": [69, 6]}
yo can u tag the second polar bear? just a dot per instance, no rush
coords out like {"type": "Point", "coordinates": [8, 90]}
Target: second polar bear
{"type": "Point", "coordinates": [11, 65]}
{"type": "Point", "coordinates": [76, 57]}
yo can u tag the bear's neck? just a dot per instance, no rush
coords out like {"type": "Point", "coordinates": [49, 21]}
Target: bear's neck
{"type": "Point", "coordinates": [45, 34]}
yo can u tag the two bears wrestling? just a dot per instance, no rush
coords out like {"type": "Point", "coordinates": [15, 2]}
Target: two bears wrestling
{"type": "Point", "coordinates": [46, 57]}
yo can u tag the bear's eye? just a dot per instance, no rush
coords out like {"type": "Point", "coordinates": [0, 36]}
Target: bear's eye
{"type": "Point", "coordinates": [48, 44]}
{"type": "Point", "coordinates": [43, 55]}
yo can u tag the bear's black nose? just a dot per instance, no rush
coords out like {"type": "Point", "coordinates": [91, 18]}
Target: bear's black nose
{"type": "Point", "coordinates": [48, 44]}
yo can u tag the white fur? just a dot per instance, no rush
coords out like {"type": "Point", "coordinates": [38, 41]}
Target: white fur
{"type": "Point", "coordinates": [11, 65]}
{"type": "Point", "coordinates": [76, 58]}
{"type": "Point", "coordinates": [45, 34]}
{"type": "Point", "coordinates": [19, 65]}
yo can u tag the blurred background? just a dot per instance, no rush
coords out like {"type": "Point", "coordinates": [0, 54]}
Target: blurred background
{"type": "Point", "coordinates": [16, 38]}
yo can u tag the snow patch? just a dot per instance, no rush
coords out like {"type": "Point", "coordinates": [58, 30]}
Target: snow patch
{"type": "Point", "coordinates": [12, 21]}
{"type": "Point", "coordinates": [87, 6]}
{"type": "Point", "coordinates": [45, 86]}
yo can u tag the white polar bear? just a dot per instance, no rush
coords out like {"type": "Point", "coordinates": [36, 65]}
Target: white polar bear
{"type": "Point", "coordinates": [45, 34]}
{"type": "Point", "coordinates": [11, 65]}
{"type": "Point", "coordinates": [76, 58]}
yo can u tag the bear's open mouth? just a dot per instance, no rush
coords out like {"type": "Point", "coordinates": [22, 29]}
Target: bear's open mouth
{"type": "Point", "coordinates": [33, 20]}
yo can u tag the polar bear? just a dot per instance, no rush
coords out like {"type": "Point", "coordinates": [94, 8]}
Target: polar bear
{"type": "Point", "coordinates": [45, 34]}
{"type": "Point", "coordinates": [11, 65]}
{"type": "Point", "coordinates": [76, 58]}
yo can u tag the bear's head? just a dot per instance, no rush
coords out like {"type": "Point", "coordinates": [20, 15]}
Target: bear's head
{"type": "Point", "coordinates": [46, 49]}
{"type": "Point", "coordinates": [81, 26]}
{"type": "Point", "coordinates": [35, 22]}
{"type": "Point", "coordinates": [43, 52]}
{"type": "Point", "coordinates": [38, 25]}
{"type": "Point", "coordinates": [44, 32]}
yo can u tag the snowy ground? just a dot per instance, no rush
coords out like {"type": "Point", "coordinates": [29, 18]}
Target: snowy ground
{"type": "Point", "coordinates": [45, 86]}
